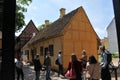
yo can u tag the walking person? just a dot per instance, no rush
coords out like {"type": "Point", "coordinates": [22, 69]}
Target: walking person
{"type": "Point", "coordinates": [104, 65]}
{"type": "Point", "coordinates": [60, 65]}
{"type": "Point", "coordinates": [19, 69]}
{"type": "Point", "coordinates": [75, 65]}
{"type": "Point", "coordinates": [93, 68]}
{"type": "Point", "coordinates": [48, 66]}
{"type": "Point", "coordinates": [37, 66]}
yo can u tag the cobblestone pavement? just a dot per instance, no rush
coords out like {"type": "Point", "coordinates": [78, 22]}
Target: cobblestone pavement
{"type": "Point", "coordinates": [115, 62]}
{"type": "Point", "coordinates": [29, 73]}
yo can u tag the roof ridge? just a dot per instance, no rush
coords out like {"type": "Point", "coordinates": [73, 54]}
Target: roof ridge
{"type": "Point", "coordinates": [28, 26]}
{"type": "Point", "coordinates": [56, 27]}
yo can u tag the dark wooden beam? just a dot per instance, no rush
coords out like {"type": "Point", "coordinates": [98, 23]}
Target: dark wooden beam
{"type": "Point", "coordinates": [116, 5]}
{"type": "Point", "coordinates": [1, 14]}
{"type": "Point", "coordinates": [8, 39]}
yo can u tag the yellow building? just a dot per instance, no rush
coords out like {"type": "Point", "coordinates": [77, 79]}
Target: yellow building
{"type": "Point", "coordinates": [71, 33]}
{"type": "Point", "coordinates": [105, 42]}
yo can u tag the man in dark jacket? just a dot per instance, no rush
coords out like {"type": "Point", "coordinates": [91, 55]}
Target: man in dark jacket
{"type": "Point", "coordinates": [48, 66]}
{"type": "Point", "coordinates": [37, 66]}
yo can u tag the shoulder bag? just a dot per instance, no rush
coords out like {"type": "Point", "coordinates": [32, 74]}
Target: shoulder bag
{"type": "Point", "coordinates": [70, 74]}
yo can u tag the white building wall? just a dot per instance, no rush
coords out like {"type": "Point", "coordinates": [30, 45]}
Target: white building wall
{"type": "Point", "coordinates": [112, 37]}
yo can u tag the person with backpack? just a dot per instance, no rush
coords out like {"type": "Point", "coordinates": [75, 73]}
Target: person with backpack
{"type": "Point", "coordinates": [109, 57]}
{"type": "Point", "coordinates": [60, 66]}
{"type": "Point", "coordinates": [104, 64]}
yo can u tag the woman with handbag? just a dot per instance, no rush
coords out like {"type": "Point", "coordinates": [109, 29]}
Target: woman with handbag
{"type": "Point", "coordinates": [74, 70]}
{"type": "Point", "coordinates": [93, 69]}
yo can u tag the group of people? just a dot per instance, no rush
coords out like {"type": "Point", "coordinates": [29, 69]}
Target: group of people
{"type": "Point", "coordinates": [38, 66]}
{"type": "Point", "coordinates": [83, 67]}
{"type": "Point", "coordinates": [89, 65]}
{"type": "Point", "coordinates": [47, 64]}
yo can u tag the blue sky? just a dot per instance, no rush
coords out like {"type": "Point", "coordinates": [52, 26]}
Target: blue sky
{"type": "Point", "coordinates": [99, 12]}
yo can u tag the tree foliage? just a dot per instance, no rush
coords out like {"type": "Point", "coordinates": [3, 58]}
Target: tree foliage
{"type": "Point", "coordinates": [41, 27]}
{"type": "Point", "coordinates": [21, 7]}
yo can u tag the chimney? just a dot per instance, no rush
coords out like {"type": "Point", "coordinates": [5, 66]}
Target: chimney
{"type": "Point", "coordinates": [62, 12]}
{"type": "Point", "coordinates": [46, 22]}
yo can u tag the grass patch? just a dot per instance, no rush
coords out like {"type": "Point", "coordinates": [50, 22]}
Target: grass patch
{"type": "Point", "coordinates": [115, 56]}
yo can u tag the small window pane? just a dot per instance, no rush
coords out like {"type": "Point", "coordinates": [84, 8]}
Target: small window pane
{"type": "Point", "coordinates": [41, 51]}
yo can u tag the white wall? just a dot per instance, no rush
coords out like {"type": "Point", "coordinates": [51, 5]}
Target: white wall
{"type": "Point", "coordinates": [112, 37]}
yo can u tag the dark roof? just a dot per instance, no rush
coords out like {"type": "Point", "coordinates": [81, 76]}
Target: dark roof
{"type": "Point", "coordinates": [55, 28]}
{"type": "Point", "coordinates": [30, 22]}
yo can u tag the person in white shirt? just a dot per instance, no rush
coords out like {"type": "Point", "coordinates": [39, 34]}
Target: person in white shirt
{"type": "Point", "coordinates": [60, 65]}
{"type": "Point", "coordinates": [104, 65]}
{"type": "Point", "coordinates": [19, 69]}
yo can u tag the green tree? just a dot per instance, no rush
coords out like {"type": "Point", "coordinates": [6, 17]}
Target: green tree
{"type": "Point", "coordinates": [41, 27]}
{"type": "Point", "coordinates": [21, 7]}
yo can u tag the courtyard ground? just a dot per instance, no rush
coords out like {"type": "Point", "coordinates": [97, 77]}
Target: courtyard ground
{"type": "Point", "coordinates": [29, 73]}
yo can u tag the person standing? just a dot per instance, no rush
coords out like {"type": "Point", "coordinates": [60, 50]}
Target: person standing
{"type": "Point", "coordinates": [37, 66]}
{"type": "Point", "coordinates": [76, 66]}
{"type": "Point", "coordinates": [15, 61]}
{"type": "Point", "coordinates": [104, 65]}
{"type": "Point", "coordinates": [93, 68]}
{"type": "Point", "coordinates": [84, 59]}
{"type": "Point", "coordinates": [60, 65]}
{"type": "Point", "coordinates": [48, 66]}
{"type": "Point", "coordinates": [19, 69]}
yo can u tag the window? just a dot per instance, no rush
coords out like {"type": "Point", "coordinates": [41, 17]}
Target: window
{"type": "Point", "coordinates": [46, 49]}
{"type": "Point", "coordinates": [32, 53]}
{"type": "Point", "coordinates": [35, 51]}
{"type": "Point", "coordinates": [41, 51]}
{"type": "Point", "coordinates": [51, 47]}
